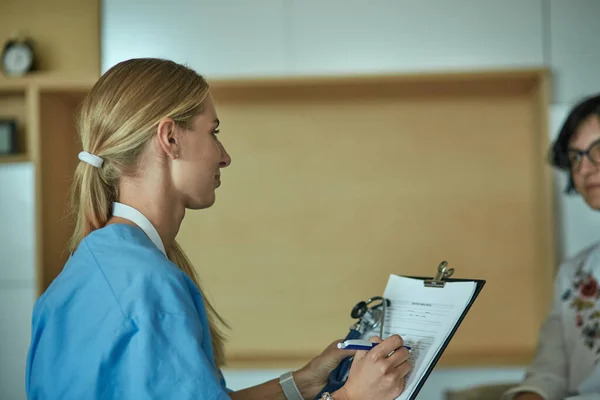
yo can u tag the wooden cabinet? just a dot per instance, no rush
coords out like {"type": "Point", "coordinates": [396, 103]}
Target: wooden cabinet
{"type": "Point", "coordinates": [13, 106]}
{"type": "Point", "coordinates": [45, 112]}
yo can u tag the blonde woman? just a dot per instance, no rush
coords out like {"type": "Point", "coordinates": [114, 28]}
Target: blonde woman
{"type": "Point", "coordinates": [126, 318]}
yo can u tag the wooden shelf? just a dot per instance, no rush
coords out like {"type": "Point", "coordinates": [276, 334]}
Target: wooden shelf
{"type": "Point", "coordinates": [14, 158]}
{"type": "Point", "coordinates": [58, 146]}
{"type": "Point", "coordinates": [12, 86]}
{"type": "Point", "coordinates": [44, 107]}
{"type": "Point", "coordinates": [526, 78]}
{"type": "Point", "coordinates": [46, 82]}
{"type": "Point", "coordinates": [13, 106]}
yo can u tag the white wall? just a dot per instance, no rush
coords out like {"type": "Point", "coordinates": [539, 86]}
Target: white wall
{"type": "Point", "coordinates": [240, 38]}
{"type": "Point", "coordinates": [573, 49]}
{"type": "Point", "coordinates": [300, 37]}
{"type": "Point", "coordinates": [17, 284]}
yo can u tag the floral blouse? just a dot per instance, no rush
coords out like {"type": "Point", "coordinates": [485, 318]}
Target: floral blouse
{"type": "Point", "coordinates": [567, 359]}
{"type": "Point", "coordinates": [582, 297]}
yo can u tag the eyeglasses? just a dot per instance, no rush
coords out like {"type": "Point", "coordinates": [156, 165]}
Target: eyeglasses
{"type": "Point", "coordinates": [592, 153]}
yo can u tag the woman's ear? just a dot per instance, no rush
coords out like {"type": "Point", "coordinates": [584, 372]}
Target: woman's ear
{"type": "Point", "coordinates": [168, 137]}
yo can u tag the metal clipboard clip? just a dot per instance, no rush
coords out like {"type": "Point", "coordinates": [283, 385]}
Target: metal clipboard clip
{"type": "Point", "coordinates": [443, 273]}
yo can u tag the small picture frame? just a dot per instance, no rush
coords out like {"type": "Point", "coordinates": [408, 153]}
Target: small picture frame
{"type": "Point", "coordinates": [8, 136]}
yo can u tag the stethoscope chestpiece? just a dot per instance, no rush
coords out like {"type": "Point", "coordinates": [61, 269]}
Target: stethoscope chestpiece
{"type": "Point", "coordinates": [359, 310]}
{"type": "Point", "coordinates": [370, 316]}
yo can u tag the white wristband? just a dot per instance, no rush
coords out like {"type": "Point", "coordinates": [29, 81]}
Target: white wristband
{"type": "Point", "coordinates": [290, 390]}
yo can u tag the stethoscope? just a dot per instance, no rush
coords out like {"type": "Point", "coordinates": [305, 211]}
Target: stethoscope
{"type": "Point", "coordinates": [370, 315]}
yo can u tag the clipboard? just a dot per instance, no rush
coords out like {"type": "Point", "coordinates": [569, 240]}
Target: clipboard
{"type": "Point", "coordinates": [438, 282]}
{"type": "Point", "coordinates": [339, 375]}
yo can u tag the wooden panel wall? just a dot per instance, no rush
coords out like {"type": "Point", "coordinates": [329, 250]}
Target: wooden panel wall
{"type": "Point", "coordinates": [335, 184]}
{"type": "Point", "coordinates": [59, 146]}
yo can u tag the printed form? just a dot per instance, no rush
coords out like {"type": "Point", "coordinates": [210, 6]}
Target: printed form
{"type": "Point", "coordinates": [424, 317]}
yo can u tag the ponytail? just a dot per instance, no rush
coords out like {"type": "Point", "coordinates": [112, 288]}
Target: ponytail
{"type": "Point", "coordinates": [91, 201]}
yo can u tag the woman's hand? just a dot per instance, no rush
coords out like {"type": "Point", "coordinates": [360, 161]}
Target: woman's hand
{"type": "Point", "coordinates": [373, 374]}
{"type": "Point", "coordinates": [312, 378]}
{"type": "Point", "coordinates": [377, 375]}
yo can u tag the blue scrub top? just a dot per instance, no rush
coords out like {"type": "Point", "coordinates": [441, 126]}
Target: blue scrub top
{"type": "Point", "coordinates": [121, 321]}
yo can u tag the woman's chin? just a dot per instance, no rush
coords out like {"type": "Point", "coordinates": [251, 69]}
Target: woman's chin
{"type": "Point", "coordinates": [201, 203]}
{"type": "Point", "coordinates": [593, 200]}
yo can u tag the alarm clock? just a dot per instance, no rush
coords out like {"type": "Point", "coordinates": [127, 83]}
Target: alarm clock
{"type": "Point", "coordinates": [8, 136]}
{"type": "Point", "coordinates": [18, 57]}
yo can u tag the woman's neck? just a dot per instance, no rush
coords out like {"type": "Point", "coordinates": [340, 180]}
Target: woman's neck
{"type": "Point", "coordinates": [155, 203]}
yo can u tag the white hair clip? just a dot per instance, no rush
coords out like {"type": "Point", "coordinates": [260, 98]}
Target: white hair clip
{"type": "Point", "coordinates": [91, 159]}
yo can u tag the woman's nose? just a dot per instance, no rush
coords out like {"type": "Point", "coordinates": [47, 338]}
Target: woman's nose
{"type": "Point", "coordinates": [225, 158]}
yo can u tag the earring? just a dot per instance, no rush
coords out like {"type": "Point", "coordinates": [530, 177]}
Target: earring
{"type": "Point", "coordinates": [176, 155]}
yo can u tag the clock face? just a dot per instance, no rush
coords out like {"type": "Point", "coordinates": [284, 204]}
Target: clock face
{"type": "Point", "coordinates": [17, 59]}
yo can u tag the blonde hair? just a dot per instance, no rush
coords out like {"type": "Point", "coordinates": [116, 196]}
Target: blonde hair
{"type": "Point", "coordinates": [116, 121]}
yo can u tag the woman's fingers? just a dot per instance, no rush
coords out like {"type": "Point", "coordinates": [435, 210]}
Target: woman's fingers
{"type": "Point", "coordinates": [388, 346]}
{"type": "Point", "coordinates": [399, 357]}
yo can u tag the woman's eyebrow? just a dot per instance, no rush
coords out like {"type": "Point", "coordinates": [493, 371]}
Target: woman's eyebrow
{"type": "Point", "coordinates": [573, 148]}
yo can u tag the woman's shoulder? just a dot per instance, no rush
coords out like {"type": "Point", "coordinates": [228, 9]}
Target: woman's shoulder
{"type": "Point", "coordinates": [139, 274]}
{"type": "Point", "coordinates": [121, 265]}
{"type": "Point", "coordinates": [587, 258]}
{"type": "Point", "coordinates": [583, 266]}
{"type": "Point", "coordinates": [120, 251]}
